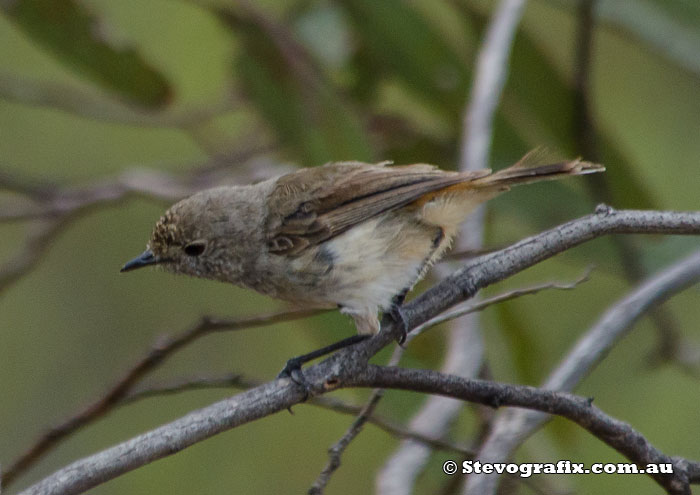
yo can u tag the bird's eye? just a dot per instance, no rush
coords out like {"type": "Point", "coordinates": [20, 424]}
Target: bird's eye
{"type": "Point", "coordinates": [194, 248]}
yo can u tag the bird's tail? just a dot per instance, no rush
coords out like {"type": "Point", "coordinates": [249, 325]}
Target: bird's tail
{"type": "Point", "coordinates": [482, 185]}
{"type": "Point", "coordinates": [447, 207]}
{"type": "Point", "coordinates": [525, 172]}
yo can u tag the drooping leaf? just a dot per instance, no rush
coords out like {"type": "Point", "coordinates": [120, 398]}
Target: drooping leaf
{"type": "Point", "coordinates": [75, 37]}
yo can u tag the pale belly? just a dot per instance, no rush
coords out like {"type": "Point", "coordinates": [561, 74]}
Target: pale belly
{"type": "Point", "coordinates": [360, 270]}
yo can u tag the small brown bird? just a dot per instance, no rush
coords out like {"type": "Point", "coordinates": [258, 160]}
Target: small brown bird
{"type": "Point", "coordinates": [353, 235]}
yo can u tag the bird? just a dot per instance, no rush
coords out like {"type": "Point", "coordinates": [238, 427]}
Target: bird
{"type": "Point", "coordinates": [352, 235]}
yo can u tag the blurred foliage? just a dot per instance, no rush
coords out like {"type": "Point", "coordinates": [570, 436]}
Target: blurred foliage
{"type": "Point", "coordinates": [67, 29]}
{"type": "Point", "coordinates": [319, 80]}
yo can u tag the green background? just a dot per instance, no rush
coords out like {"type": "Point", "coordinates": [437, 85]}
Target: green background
{"type": "Point", "coordinates": [313, 81]}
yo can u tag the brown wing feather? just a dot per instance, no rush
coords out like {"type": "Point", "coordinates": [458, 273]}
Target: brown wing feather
{"type": "Point", "coordinates": [315, 205]}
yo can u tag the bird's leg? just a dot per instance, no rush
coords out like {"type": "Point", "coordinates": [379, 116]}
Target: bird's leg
{"type": "Point", "coordinates": [397, 315]}
{"type": "Point", "coordinates": [395, 312]}
{"type": "Point", "coordinates": [292, 369]}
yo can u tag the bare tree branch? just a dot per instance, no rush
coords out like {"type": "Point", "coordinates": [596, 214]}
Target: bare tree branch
{"type": "Point", "coordinates": [363, 415]}
{"type": "Point", "coordinates": [391, 427]}
{"type": "Point", "coordinates": [426, 439]}
{"type": "Point", "coordinates": [275, 396]}
{"type": "Point", "coordinates": [349, 367]}
{"type": "Point", "coordinates": [496, 266]}
{"type": "Point", "coordinates": [229, 380]}
{"type": "Point", "coordinates": [240, 381]}
{"type": "Point", "coordinates": [166, 346]}
{"type": "Point", "coordinates": [513, 427]}
{"type": "Point", "coordinates": [617, 434]}
{"type": "Point", "coordinates": [415, 454]}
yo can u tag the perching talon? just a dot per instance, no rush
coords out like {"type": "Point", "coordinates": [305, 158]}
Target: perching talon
{"type": "Point", "coordinates": [292, 370]}
{"type": "Point", "coordinates": [399, 319]}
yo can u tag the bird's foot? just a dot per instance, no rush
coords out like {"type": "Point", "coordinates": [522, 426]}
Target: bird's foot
{"type": "Point", "coordinates": [401, 322]}
{"type": "Point", "coordinates": [292, 370]}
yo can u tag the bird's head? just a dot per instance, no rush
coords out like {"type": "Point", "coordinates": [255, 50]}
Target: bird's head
{"type": "Point", "coordinates": [198, 236]}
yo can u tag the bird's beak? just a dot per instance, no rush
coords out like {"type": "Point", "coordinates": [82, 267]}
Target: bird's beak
{"type": "Point", "coordinates": [144, 259]}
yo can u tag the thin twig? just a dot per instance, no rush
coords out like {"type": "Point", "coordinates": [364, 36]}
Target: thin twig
{"type": "Point", "coordinates": [229, 380]}
{"type": "Point", "coordinates": [501, 264]}
{"type": "Point", "coordinates": [480, 306]}
{"type": "Point", "coordinates": [391, 427]}
{"type": "Point", "coordinates": [336, 451]}
{"type": "Point", "coordinates": [506, 296]}
{"type": "Point", "coordinates": [366, 413]}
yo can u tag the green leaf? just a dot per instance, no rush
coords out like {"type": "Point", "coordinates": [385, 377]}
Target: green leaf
{"type": "Point", "coordinates": [396, 40]}
{"type": "Point", "coordinates": [74, 36]}
{"type": "Point", "coordinates": [293, 95]}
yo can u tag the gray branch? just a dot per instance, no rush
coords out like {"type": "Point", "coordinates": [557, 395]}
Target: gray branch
{"type": "Point", "coordinates": [349, 367]}
{"type": "Point", "coordinates": [617, 434]}
{"type": "Point", "coordinates": [514, 426]}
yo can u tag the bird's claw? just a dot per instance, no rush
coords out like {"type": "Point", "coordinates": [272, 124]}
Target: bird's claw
{"type": "Point", "coordinates": [292, 370]}
{"type": "Point", "coordinates": [292, 365]}
{"type": "Point", "coordinates": [399, 318]}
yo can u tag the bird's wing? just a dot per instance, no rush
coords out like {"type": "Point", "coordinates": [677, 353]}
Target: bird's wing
{"type": "Point", "coordinates": [314, 205]}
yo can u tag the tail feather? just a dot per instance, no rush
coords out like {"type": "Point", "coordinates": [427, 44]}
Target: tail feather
{"type": "Point", "coordinates": [490, 184]}
{"type": "Point", "coordinates": [520, 173]}
{"type": "Point", "coordinates": [447, 207]}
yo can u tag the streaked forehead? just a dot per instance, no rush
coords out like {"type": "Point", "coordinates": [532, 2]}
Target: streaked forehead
{"type": "Point", "coordinates": [166, 230]}
{"type": "Point", "coordinates": [193, 217]}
